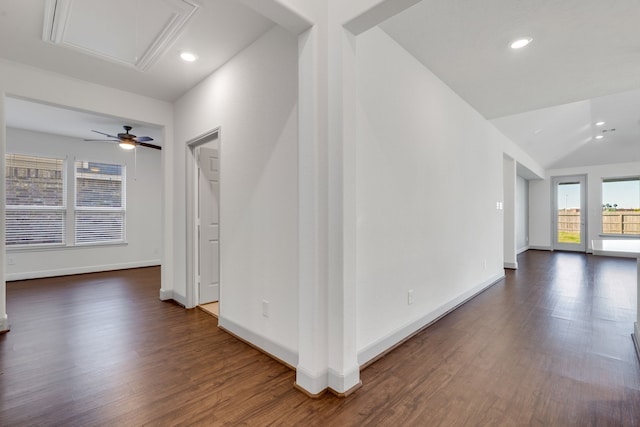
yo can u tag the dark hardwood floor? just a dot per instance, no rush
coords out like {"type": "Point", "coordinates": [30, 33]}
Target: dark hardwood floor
{"type": "Point", "coordinates": [548, 346]}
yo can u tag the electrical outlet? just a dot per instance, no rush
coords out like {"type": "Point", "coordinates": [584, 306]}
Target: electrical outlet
{"type": "Point", "coordinates": [410, 297]}
{"type": "Point", "coordinates": [265, 308]}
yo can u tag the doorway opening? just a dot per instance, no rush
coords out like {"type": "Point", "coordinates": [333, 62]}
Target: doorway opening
{"type": "Point", "coordinates": [569, 213]}
{"type": "Point", "coordinates": [203, 221]}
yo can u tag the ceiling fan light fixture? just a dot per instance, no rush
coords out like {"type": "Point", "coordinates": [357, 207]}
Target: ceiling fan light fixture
{"type": "Point", "coordinates": [521, 42]}
{"type": "Point", "coordinates": [127, 145]}
{"type": "Point", "coordinates": [188, 56]}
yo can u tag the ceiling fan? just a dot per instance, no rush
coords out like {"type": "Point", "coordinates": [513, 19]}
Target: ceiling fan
{"type": "Point", "coordinates": [127, 140]}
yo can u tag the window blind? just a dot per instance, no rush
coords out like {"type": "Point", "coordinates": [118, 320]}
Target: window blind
{"type": "Point", "coordinates": [100, 202]}
{"type": "Point", "coordinates": [35, 200]}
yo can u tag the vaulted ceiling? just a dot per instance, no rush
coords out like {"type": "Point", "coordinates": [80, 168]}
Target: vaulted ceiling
{"type": "Point", "coordinates": [582, 67]}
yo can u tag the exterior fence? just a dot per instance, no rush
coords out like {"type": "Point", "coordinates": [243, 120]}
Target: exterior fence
{"type": "Point", "coordinates": [625, 222]}
{"type": "Point", "coordinates": [613, 222]}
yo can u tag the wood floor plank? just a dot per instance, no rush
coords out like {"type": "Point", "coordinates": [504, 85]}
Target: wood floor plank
{"type": "Point", "coordinates": [549, 345]}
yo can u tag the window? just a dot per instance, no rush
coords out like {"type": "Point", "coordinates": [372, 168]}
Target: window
{"type": "Point", "coordinates": [621, 206]}
{"type": "Point", "coordinates": [100, 203]}
{"type": "Point", "coordinates": [35, 200]}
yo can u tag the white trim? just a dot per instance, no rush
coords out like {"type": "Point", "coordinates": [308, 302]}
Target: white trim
{"type": "Point", "coordinates": [191, 184]}
{"type": "Point", "coordinates": [521, 250]}
{"type": "Point", "coordinates": [313, 384]}
{"type": "Point", "coordinates": [511, 265]}
{"type": "Point", "coordinates": [61, 247]}
{"type": "Point", "coordinates": [276, 350]}
{"type": "Point", "coordinates": [378, 347]}
{"type": "Point", "coordinates": [166, 295]}
{"type": "Point", "coordinates": [342, 382]}
{"type": "Point", "coordinates": [540, 248]}
{"type": "Point", "coordinates": [80, 270]}
{"type": "Point", "coordinates": [4, 324]}
{"type": "Point", "coordinates": [180, 299]}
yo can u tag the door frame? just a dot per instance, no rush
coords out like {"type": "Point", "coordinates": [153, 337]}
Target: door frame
{"type": "Point", "coordinates": [192, 249]}
{"type": "Point", "coordinates": [555, 180]}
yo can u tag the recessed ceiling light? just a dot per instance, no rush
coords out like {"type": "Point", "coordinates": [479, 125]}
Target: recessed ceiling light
{"type": "Point", "coordinates": [599, 123]}
{"type": "Point", "coordinates": [599, 136]}
{"type": "Point", "coordinates": [188, 56]}
{"type": "Point", "coordinates": [520, 43]}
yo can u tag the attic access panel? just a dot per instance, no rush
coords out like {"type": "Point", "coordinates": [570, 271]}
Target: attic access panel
{"type": "Point", "coordinates": [130, 32]}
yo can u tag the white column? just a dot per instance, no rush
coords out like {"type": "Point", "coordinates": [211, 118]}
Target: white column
{"type": "Point", "coordinates": [344, 371]}
{"type": "Point", "coordinates": [327, 354]}
{"type": "Point", "coordinates": [311, 371]}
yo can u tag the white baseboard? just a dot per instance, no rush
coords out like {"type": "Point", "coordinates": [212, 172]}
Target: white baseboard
{"type": "Point", "coordinates": [387, 342]}
{"type": "Point", "coordinates": [541, 248]}
{"type": "Point", "coordinates": [180, 299]}
{"type": "Point", "coordinates": [314, 384]}
{"type": "Point", "coordinates": [521, 250]}
{"type": "Point", "coordinates": [342, 382]}
{"type": "Point", "coordinates": [166, 295]}
{"type": "Point", "coordinates": [79, 270]}
{"type": "Point", "coordinates": [511, 265]}
{"type": "Point", "coordinates": [4, 324]}
{"type": "Point", "coordinates": [277, 351]}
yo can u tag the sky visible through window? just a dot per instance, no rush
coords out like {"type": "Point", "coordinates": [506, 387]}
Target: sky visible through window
{"type": "Point", "coordinates": [568, 196]}
{"type": "Point", "coordinates": [625, 194]}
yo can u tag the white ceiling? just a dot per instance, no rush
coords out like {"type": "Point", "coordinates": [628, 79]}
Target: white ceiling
{"type": "Point", "coordinates": [122, 30]}
{"type": "Point", "coordinates": [583, 65]}
{"type": "Point", "coordinates": [546, 96]}
{"type": "Point", "coordinates": [216, 32]}
{"type": "Point", "coordinates": [23, 114]}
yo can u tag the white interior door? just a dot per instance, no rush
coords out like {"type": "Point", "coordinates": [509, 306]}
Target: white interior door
{"type": "Point", "coordinates": [209, 225]}
{"type": "Point", "coordinates": [569, 213]}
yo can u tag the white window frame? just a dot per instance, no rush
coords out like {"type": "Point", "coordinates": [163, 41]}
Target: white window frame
{"type": "Point", "coordinates": [69, 208]}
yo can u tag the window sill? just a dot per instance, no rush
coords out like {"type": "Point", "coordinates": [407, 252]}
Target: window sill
{"type": "Point", "coordinates": [621, 236]}
{"type": "Point", "coordinates": [63, 247]}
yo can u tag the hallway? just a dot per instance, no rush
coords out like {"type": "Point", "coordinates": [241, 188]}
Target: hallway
{"type": "Point", "coordinates": [549, 345]}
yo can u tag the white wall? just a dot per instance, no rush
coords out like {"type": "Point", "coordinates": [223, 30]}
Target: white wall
{"type": "Point", "coordinates": [429, 175]}
{"type": "Point", "coordinates": [143, 225]}
{"type": "Point", "coordinates": [522, 214]}
{"type": "Point", "coordinates": [253, 99]}
{"type": "Point", "coordinates": [540, 200]}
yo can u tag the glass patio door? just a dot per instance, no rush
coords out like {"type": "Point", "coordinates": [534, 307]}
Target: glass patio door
{"type": "Point", "coordinates": [569, 213]}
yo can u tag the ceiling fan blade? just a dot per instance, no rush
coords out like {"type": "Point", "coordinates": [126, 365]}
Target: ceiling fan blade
{"type": "Point", "coordinates": [103, 140]}
{"type": "Point", "coordinates": [143, 139]}
{"type": "Point", "coordinates": [144, 144]}
{"type": "Point", "coordinates": [105, 134]}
